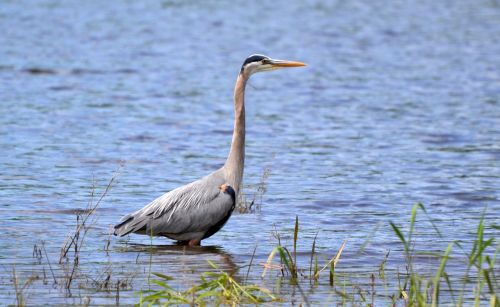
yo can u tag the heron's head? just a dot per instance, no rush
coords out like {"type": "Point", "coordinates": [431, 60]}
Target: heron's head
{"type": "Point", "coordinates": [257, 63]}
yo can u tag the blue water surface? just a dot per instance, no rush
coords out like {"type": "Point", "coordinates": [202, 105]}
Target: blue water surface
{"type": "Point", "coordinates": [399, 104]}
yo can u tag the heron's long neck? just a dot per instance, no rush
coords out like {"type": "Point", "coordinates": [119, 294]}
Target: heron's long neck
{"type": "Point", "coordinates": [236, 159]}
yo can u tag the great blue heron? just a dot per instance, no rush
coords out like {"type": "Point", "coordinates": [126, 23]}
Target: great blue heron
{"type": "Point", "coordinates": [197, 210]}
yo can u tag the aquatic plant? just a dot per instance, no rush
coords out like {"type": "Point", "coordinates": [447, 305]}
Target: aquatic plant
{"type": "Point", "coordinates": [20, 288]}
{"type": "Point", "coordinates": [418, 290]}
{"type": "Point", "coordinates": [477, 258]}
{"type": "Point", "coordinates": [74, 242]}
{"type": "Point", "coordinates": [289, 260]}
{"type": "Point", "coordinates": [64, 272]}
{"type": "Point", "coordinates": [413, 287]}
{"type": "Point", "coordinates": [245, 206]}
{"type": "Point", "coordinates": [478, 285]}
{"type": "Point", "coordinates": [215, 288]}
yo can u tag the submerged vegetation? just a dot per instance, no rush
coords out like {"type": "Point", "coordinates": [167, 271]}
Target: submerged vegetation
{"type": "Point", "coordinates": [215, 288]}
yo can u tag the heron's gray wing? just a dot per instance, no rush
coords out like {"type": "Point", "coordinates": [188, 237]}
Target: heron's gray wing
{"type": "Point", "coordinates": [195, 207]}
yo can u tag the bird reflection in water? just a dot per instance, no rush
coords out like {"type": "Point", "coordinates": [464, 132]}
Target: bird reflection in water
{"type": "Point", "coordinates": [177, 260]}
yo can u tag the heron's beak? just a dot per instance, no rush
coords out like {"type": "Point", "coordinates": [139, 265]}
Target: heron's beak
{"type": "Point", "coordinates": [282, 63]}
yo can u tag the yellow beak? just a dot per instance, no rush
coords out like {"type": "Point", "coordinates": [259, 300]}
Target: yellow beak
{"type": "Point", "coordinates": [282, 63]}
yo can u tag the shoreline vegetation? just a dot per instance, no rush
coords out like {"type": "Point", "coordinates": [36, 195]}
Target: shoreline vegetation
{"type": "Point", "coordinates": [477, 284]}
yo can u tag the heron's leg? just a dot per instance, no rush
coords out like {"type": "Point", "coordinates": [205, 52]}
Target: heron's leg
{"type": "Point", "coordinates": [194, 242]}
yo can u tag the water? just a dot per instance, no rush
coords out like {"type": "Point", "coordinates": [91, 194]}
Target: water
{"type": "Point", "coordinates": [399, 104]}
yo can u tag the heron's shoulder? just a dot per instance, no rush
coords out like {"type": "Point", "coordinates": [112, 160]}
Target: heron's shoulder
{"type": "Point", "coordinates": [207, 183]}
{"type": "Point", "coordinates": [195, 193]}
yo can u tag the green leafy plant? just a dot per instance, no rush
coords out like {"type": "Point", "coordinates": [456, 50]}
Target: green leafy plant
{"type": "Point", "coordinates": [289, 260]}
{"type": "Point", "coordinates": [417, 290]}
{"type": "Point", "coordinates": [216, 288]}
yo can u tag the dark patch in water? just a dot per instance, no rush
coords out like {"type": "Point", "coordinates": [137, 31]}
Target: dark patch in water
{"type": "Point", "coordinates": [443, 138]}
{"type": "Point", "coordinates": [39, 71]}
{"type": "Point", "coordinates": [86, 71]}
{"type": "Point", "coordinates": [362, 205]}
{"type": "Point", "coordinates": [464, 149]}
{"type": "Point", "coordinates": [126, 71]}
{"type": "Point", "coordinates": [474, 196]}
{"type": "Point", "coordinates": [322, 204]}
{"type": "Point", "coordinates": [100, 105]}
{"type": "Point", "coordinates": [222, 132]}
{"type": "Point", "coordinates": [138, 138]}
{"type": "Point", "coordinates": [60, 88]}
{"type": "Point", "coordinates": [124, 97]}
{"type": "Point", "coordinates": [92, 71]}
{"type": "Point", "coordinates": [101, 161]}
{"type": "Point", "coordinates": [391, 33]}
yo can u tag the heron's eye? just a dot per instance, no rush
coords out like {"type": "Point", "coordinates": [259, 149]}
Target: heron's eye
{"type": "Point", "coordinates": [265, 61]}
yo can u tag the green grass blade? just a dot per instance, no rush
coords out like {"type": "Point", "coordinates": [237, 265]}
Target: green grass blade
{"type": "Point", "coordinates": [413, 220]}
{"type": "Point", "coordinates": [295, 235]}
{"type": "Point", "coordinates": [421, 206]}
{"type": "Point", "coordinates": [437, 279]}
{"type": "Point", "coordinates": [286, 258]}
{"type": "Point", "coordinates": [398, 233]}
{"type": "Point", "coordinates": [162, 284]}
{"type": "Point", "coordinates": [165, 277]}
{"type": "Point", "coordinates": [313, 250]}
{"type": "Point", "coordinates": [212, 264]}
